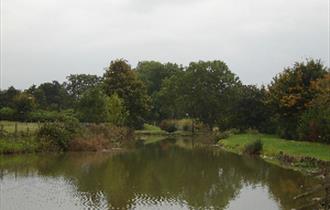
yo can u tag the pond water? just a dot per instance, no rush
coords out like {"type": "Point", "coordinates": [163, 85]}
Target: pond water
{"type": "Point", "coordinates": [170, 174]}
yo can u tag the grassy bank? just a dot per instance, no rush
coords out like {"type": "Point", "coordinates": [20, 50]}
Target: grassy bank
{"type": "Point", "coordinates": [293, 154]}
{"type": "Point", "coordinates": [69, 135]}
{"type": "Point", "coordinates": [156, 131]}
{"type": "Point", "coordinates": [19, 145]}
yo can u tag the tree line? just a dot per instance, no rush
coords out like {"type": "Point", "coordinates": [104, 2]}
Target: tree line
{"type": "Point", "coordinates": [295, 105]}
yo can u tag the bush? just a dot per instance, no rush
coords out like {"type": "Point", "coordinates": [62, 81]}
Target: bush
{"type": "Point", "coordinates": [101, 136]}
{"type": "Point", "coordinates": [57, 135]}
{"type": "Point", "coordinates": [7, 113]}
{"type": "Point", "coordinates": [314, 125]}
{"type": "Point", "coordinates": [49, 116]}
{"type": "Point", "coordinates": [43, 116]}
{"type": "Point", "coordinates": [184, 124]}
{"type": "Point", "coordinates": [253, 148]}
{"type": "Point", "coordinates": [168, 126]}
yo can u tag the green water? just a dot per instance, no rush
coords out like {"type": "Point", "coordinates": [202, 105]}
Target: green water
{"type": "Point", "coordinates": [171, 174]}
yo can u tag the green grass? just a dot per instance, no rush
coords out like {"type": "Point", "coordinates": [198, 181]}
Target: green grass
{"type": "Point", "coordinates": [20, 145]}
{"type": "Point", "coordinates": [9, 126]}
{"type": "Point", "coordinates": [272, 145]}
{"type": "Point", "coordinates": [150, 130]}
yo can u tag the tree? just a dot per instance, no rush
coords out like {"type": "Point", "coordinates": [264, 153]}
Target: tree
{"type": "Point", "coordinates": [153, 74]}
{"type": "Point", "coordinates": [117, 111]}
{"type": "Point", "coordinates": [168, 100]}
{"type": "Point", "coordinates": [314, 124]}
{"type": "Point", "coordinates": [51, 96]}
{"type": "Point", "coordinates": [78, 83]}
{"type": "Point", "coordinates": [120, 79]}
{"type": "Point", "coordinates": [7, 97]}
{"type": "Point", "coordinates": [93, 107]}
{"type": "Point", "coordinates": [290, 93]}
{"type": "Point", "coordinates": [206, 91]}
{"type": "Point", "coordinates": [249, 109]}
{"type": "Point", "coordinates": [24, 103]}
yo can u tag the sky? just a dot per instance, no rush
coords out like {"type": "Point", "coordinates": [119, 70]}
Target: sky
{"type": "Point", "coordinates": [45, 40]}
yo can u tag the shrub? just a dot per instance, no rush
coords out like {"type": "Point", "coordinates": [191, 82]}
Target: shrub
{"type": "Point", "coordinates": [168, 126]}
{"type": "Point", "coordinates": [314, 125]}
{"type": "Point", "coordinates": [253, 148]}
{"type": "Point", "coordinates": [57, 135]}
{"type": "Point", "coordinates": [101, 136]}
{"type": "Point", "coordinates": [49, 116]}
{"type": "Point", "coordinates": [7, 113]}
{"type": "Point", "coordinates": [184, 124]}
{"type": "Point", "coordinates": [43, 116]}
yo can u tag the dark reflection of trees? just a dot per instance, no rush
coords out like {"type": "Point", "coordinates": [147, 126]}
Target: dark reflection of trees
{"type": "Point", "coordinates": [202, 177]}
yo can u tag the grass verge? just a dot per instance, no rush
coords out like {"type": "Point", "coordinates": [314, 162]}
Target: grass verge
{"type": "Point", "coordinates": [20, 145]}
{"type": "Point", "coordinates": [294, 154]}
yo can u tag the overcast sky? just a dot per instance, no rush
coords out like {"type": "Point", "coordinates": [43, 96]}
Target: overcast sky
{"type": "Point", "coordinates": [45, 40]}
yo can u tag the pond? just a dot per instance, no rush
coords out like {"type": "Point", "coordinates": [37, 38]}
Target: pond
{"type": "Point", "coordinates": [170, 174]}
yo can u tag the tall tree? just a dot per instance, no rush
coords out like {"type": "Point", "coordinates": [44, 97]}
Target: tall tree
{"type": "Point", "coordinates": [77, 84]}
{"type": "Point", "coordinates": [290, 93]}
{"type": "Point", "coordinates": [203, 92]}
{"type": "Point", "coordinates": [24, 103]}
{"type": "Point", "coordinates": [119, 78]}
{"type": "Point", "coordinates": [153, 74]}
{"type": "Point", "coordinates": [51, 96]}
{"type": "Point", "coordinates": [250, 109]}
{"type": "Point", "coordinates": [7, 97]}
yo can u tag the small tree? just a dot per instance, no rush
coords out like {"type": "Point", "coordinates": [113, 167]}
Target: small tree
{"type": "Point", "coordinates": [117, 111]}
{"type": "Point", "coordinates": [93, 106]}
{"type": "Point", "coordinates": [119, 78]}
{"type": "Point", "coordinates": [24, 103]}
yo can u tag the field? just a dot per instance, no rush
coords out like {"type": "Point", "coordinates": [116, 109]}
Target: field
{"type": "Point", "coordinates": [9, 126]}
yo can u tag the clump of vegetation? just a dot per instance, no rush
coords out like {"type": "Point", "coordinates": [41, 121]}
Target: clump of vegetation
{"type": "Point", "coordinates": [168, 126]}
{"type": "Point", "coordinates": [253, 148]}
{"type": "Point", "coordinates": [57, 135]}
{"type": "Point", "coordinates": [95, 137]}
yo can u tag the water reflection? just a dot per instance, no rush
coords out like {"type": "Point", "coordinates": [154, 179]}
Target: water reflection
{"type": "Point", "coordinates": [172, 174]}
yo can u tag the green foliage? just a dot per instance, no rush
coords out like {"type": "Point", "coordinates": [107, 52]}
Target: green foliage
{"type": "Point", "coordinates": [168, 126]}
{"type": "Point", "coordinates": [253, 148]}
{"type": "Point", "coordinates": [93, 106]}
{"type": "Point", "coordinates": [250, 108]}
{"type": "Point", "coordinates": [57, 135]}
{"type": "Point", "coordinates": [51, 96]}
{"type": "Point", "coordinates": [49, 116]}
{"type": "Point", "coordinates": [153, 74]}
{"type": "Point", "coordinates": [24, 103]}
{"type": "Point", "coordinates": [7, 97]}
{"type": "Point", "coordinates": [122, 80]}
{"type": "Point", "coordinates": [7, 113]}
{"type": "Point", "coordinates": [79, 83]}
{"type": "Point", "coordinates": [21, 145]}
{"type": "Point", "coordinates": [291, 93]}
{"type": "Point", "coordinates": [314, 125]}
{"type": "Point", "coordinates": [117, 111]}
{"type": "Point", "coordinates": [203, 84]}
